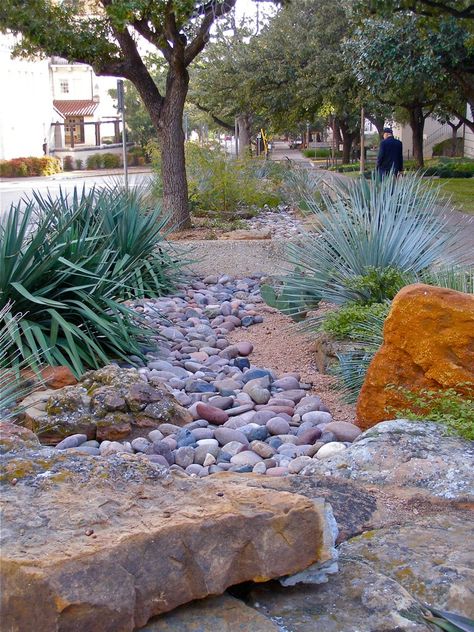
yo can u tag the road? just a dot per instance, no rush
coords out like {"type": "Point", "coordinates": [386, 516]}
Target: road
{"type": "Point", "coordinates": [13, 191]}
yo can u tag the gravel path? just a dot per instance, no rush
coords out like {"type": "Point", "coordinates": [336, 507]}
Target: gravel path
{"type": "Point", "coordinates": [238, 258]}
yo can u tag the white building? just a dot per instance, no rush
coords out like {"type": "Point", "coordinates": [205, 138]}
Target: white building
{"type": "Point", "coordinates": [49, 105]}
{"type": "Point", "coordinates": [26, 107]}
{"type": "Point", "coordinates": [434, 132]}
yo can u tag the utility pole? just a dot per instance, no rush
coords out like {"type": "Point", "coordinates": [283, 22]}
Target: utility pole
{"type": "Point", "coordinates": [236, 137]}
{"type": "Point", "coordinates": [362, 140]}
{"type": "Point", "coordinates": [121, 109]}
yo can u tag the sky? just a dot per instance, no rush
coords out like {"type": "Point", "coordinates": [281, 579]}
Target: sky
{"type": "Point", "coordinates": [249, 8]}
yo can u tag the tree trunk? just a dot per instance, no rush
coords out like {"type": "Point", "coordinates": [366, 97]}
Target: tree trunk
{"type": "Point", "coordinates": [417, 124]}
{"type": "Point", "coordinates": [347, 140]}
{"type": "Point", "coordinates": [243, 124]}
{"type": "Point", "coordinates": [171, 141]}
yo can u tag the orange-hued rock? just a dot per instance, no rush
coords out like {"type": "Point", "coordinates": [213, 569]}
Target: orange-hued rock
{"type": "Point", "coordinates": [53, 376]}
{"type": "Point", "coordinates": [428, 343]}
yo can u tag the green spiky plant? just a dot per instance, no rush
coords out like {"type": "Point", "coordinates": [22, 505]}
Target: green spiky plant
{"type": "Point", "coordinates": [366, 226]}
{"type": "Point", "coordinates": [63, 266]}
{"type": "Point", "coordinates": [448, 621]}
{"type": "Point", "coordinates": [12, 386]}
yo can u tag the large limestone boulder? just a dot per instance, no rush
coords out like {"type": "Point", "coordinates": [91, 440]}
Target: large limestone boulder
{"type": "Point", "coordinates": [428, 343]}
{"type": "Point", "coordinates": [106, 544]}
{"type": "Point", "coordinates": [384, 577]}
{"type": "Point", "coordinates": [108, 404]}
{"type": "Point", "coordinates": [402, 499]}
{"type": "Point", "coordinates": [410, 455]}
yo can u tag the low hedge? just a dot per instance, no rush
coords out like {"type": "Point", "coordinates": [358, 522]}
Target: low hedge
{"type": "Point", "coordinates": [322, 152]}
{"type": "Point", "coordinates": [30, 166]}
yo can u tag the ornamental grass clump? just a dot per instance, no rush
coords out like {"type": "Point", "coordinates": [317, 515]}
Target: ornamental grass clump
{"type": "Point", "coordinates": [66, 264]}
{"type": "Point", "coordinates": [365, 228]}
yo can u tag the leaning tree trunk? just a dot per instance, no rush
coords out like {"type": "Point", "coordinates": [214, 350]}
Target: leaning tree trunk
{"type": "Point", "coordinates": [171, 141]}
{"type": "Point", "coordinates": [417, 124]}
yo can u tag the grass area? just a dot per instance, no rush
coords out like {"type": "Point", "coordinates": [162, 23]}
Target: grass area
{"type": "Point", "coordinates": [461, 191]}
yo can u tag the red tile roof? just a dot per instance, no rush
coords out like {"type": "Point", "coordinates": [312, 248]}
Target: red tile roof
{"type": "Point", "coordinates": [76, 108]}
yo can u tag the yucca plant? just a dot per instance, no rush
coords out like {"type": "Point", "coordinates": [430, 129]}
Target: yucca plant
{"type": "Point", "coordinates": [132, 226]}
{"type": "Point", "coordinates": [365, 226]}
{"type": "Point", "coordinates": [12, 387]}
{"type": "Point", "coordinates": [448, 621]}
{"type": "Point", "coordinates": [352, 367]}
{"type": "Point", "coordinates": [65, 278]}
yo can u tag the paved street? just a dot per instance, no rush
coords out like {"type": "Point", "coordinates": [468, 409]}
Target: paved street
{"type": "Point", "coordinates": [12, 191]}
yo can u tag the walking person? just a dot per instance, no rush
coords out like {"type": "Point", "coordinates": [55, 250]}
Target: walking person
{"type": "Point", "coordinates": [390, 156]}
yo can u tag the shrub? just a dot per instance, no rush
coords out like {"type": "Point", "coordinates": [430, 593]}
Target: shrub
{"type": "Point", "coordinates": [321, 152]}
{"type": "Point", "coordinates": [221, 186]}
{"type": "Point", "coordinates": [349, 320]}
{"type": "Point", "coordinates": [30, 166]}
{"type": "Point", "coordinates": [70, 274]}
{"type": "Point", "coordinates": [445, 147]}
{"type": "Point", "coordinates": [94, 161]}
{"type": "Point", "coordinates": [450, 407]}
{"type": "Point", "coordinates": [110, 161]}
{"type": "Point", "coordinates": [68, 163]}
{"type": "Point", "coordinates": [383, 225]}
{"type": "Point", "coordinates": [78, 164]}
{"type": "Point", "coordinates": [378, 284]}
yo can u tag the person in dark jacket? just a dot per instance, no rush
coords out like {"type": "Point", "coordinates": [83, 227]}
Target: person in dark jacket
{"type": "Point", "coordinates": [390, 157]}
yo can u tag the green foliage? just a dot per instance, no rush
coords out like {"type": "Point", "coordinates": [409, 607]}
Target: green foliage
{"type": "Point", "coordinates": [111, 161]}
{"type": "Point", "coordinates": [280, 299]}
{"type": "Point", "coordinates": [12, 387]}
{"type": "Point", "coordinates": [68, 163]}
{"type": "Point", "coordinates": [445, 147]}
{"type": "Point", "coordinates": [318, 153]}
{"type": "Point", "coordinates": [349, 321]}
{"type": "Point", "coordinates": [222, 186]}
{"type": "Point", "coordinates": [447, 621]}
{"type": "Point", "coordinates": [78, 164]}
{"type": "Point", "coordinates": [69, 274]}
{"type": "Point", "coordinates": [450, 407]}
{"type": "Point", "coordinates": [94, 161]}
{"type": "Point", "coordinates": [380, 229]}
{"type": "Point", "coordinates": [31, 166]}
{"type": "Point", "coordinates": [378, 284]}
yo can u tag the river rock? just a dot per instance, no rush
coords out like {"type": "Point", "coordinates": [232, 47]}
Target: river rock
{"type": "Point", "coordinates": [246, 457]}
{"type": "Point", "coordinates": [277, 426]}
{"type": "Point", "coordinates": [343, 431]}
{"type": "Point", "coordinates": [330, 449]}
{"type": "Point", "coordinates": [428, 344]}
{"type": "Point", "coordinates": [211, 414]}
{"type": "Point", "coordinates": [57, 576]}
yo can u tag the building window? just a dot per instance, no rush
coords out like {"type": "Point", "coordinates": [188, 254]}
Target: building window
{"type": "Point", "coordinates": [64, 86]}
{"type": "Point", "coordinates": [74, 130]}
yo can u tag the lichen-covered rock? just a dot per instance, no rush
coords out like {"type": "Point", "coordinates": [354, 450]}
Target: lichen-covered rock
{"type": "Point", "coordinates": [105, 544]}
{"type": "Point", "coordinates": [108, 404]}
{"type": "Point", "coordinates": [428, 343]}
{"type": "Point", "coordinates": [14, 437]}
{"type": "Point", "coordinates": [406, 454]}
{"type": "Point", "coordinates": [384, 577]}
